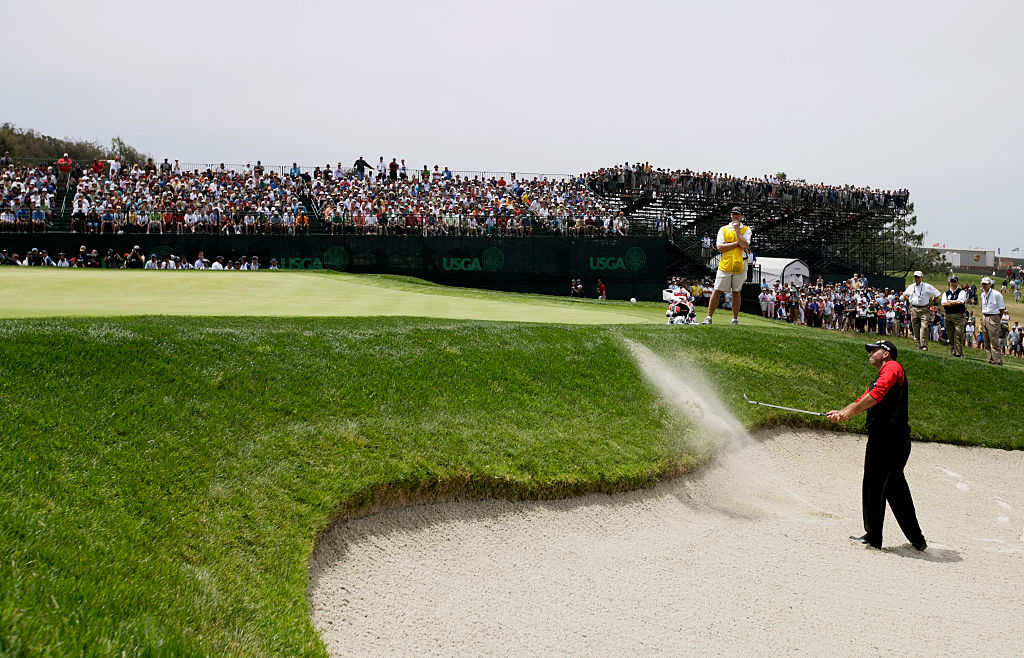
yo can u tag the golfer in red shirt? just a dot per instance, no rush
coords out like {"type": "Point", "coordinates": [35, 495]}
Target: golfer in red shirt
{"type": "Point", "coordinates": [888, 449]}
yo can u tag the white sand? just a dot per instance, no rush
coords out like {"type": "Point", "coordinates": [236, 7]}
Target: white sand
{"type": "Point", "coordinates": [747, 556]}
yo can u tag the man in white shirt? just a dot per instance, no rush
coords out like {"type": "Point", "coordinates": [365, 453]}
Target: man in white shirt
{"type": "Point", "coordinates": [992, 309]}
{"type": "Point", "coordinates": [954, 305]}
{"type": "Point", "coordinates": [920, 296]}
{"type": "Point", "coordinates": [199, 264]}
{"type": "Point", "coordinates": [218, 264]}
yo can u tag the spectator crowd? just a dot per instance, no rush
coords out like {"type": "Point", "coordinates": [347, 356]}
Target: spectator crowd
{"type": "Point", "coordinates": [385, 199]}
{"type": "Point", "coordinates": [166, 198]}
{"type": "Point", "coordinates": [854, 306]}
{"type": "Point", "coordinates": [28, 196]}
{"type": "Point", "coordinates": [627, 178]}
{"type": "Point", "coordinates": [393, 200]}
{"type": "Point", "coordinates": [132, 260]}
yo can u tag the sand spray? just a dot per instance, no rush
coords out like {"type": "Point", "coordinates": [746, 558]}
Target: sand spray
{"type": "Point", "coordinates": [745, 483]}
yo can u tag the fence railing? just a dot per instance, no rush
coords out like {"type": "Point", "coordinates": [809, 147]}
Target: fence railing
{"type": "Point", "coordinates": [284, 170]}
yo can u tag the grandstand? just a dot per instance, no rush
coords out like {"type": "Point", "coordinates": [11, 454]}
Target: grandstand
{"type": "Point", "coordinates": [629, 225]}
{"type": "Point", "coordinates": [832, 229]}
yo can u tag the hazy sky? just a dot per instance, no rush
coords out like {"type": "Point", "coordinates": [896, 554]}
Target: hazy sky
{"type": "Point", "coordinates": [924, 95]}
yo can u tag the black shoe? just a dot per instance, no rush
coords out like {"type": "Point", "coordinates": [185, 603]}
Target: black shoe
{"type": "Point", "coordinates": [863, 539]}
{"type": "Point", "coordinates": [919, 545]}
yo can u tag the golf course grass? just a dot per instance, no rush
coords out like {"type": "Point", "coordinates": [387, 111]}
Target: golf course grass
{"type": "Point", "coordinates": [32, 292]}
{"type": "Point", "coordinates": [166, 473]}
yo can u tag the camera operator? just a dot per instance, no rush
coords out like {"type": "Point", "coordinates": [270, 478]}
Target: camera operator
{"type": "Point", "coordinates": [113, 260]}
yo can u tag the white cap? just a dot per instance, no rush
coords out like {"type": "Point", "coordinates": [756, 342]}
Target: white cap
{"type": "Point", "coordinates": [986, 280]}
{"type": "Point", "coordinates": [918, 273]}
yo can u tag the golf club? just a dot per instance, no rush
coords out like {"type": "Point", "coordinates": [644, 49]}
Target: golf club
{"type": "Point", "coordinates": [775, 406]}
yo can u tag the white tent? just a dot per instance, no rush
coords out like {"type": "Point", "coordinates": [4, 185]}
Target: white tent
{"type": "Point", "coordinates": [784, 270]}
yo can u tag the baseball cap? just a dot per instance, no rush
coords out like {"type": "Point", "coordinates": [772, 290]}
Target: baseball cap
{"type": "Point", "coordinates": [883, 345]}
{"type": "Point", "coordinates": [918, 273]}
{"type": "Point", "coordinates": [986, 280]}
{"type": "Point", "coordinates": [736, 209]}
{"type": "Point", "coordinates": [953, 277]}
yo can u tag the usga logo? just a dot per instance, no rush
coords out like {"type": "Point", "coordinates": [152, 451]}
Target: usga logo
{"type": "Point", "coordinates": [301, 263]}
{"type": "Point", "coordinates": [606, 263]}
{"type": "Point", "coordinates": [492, 259]}
{"type": "Point", "coordinates": [634, 259]}
{"type": "Point", "coordinates": [461, 264]}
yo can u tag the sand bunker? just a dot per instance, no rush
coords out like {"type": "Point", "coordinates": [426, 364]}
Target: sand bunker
{"type": "Point", "coordinates": [746, 556]}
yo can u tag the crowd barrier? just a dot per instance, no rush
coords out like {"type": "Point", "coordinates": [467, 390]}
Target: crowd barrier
{"type": "Point", "coordinates": [630, 266]}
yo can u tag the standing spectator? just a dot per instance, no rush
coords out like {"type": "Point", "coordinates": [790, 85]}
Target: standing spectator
{"type": "Point", "coordinates": [64, 167]}
{"type": "Point", "coordinates": [992, 309]}
{"type": "Point", "coordinates": [6, 161]}
{"type": "Point", "coordinates": [733, 242]}
{"type": "Point", "coordinates": [920, 296]}
{"type": "Point", "coordinates": [954, 305]}
{"type": "Point", "coordinates": [361, 166]}
{"type": "Point", "coordinates": [763, 299]}
{"type": "Point", "coordinates": [602, 291]}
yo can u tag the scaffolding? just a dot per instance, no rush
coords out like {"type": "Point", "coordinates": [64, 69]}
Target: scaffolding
{"type": "Point", "coordinates": [828, 238]}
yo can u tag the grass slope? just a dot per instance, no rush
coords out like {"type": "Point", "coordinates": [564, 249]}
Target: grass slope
{"type": "Point", "coordinates": [163, 479]}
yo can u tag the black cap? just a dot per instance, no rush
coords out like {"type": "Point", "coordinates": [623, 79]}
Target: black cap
{"type": "Point", "coordinates": [736, 210]}
{"type": "Point", "coordinates": [883, 345]}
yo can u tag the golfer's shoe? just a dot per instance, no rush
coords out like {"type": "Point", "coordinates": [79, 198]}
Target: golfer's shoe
{"type": "Point", "coordinates": [735, 321]}
{"type": "Point", "coordinates": [919, 545]}
{"type": "Point", "coordinates": [863, 539]}
{"type": "Point", "coordinates": [707, 320]}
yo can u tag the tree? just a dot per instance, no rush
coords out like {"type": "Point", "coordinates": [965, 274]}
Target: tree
{"type": "Point", "coordinates": [31, 145]}
{"type": "Point", "coordinates": [910, 254]}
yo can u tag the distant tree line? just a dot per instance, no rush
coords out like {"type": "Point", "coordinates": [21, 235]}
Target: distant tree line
{"type": "Point", "coordinates": [29, 144]}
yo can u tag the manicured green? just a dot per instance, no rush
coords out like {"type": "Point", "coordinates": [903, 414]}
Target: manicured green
{"type": "Point", "coordinates": [163, 479]}
{"type": "Point", "coordinates": [47, 292]}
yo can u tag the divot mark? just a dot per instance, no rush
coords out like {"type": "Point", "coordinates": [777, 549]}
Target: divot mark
{"type": "Point", "coordinates": [1005, 506]}
{"type": "Point", "coordinates": [1003, 519]}
{"type": "Point", "coordinates": [950, 473]}
{"type": "Point", "coordinates": [962, 487]}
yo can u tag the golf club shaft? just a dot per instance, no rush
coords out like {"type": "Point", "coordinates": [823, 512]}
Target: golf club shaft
{"type": "Point", "coordinates": [775, 406]}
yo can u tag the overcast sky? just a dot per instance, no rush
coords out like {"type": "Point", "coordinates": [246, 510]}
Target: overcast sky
{"type": "Point", "coordinates": [924, 95]}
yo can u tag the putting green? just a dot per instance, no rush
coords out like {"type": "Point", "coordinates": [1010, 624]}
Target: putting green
{"type": "Point", "coordinates": [39, 292]}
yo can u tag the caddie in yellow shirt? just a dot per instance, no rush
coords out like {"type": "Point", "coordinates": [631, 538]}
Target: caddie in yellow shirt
{"type": "Point", "coordinates": [733, 243]}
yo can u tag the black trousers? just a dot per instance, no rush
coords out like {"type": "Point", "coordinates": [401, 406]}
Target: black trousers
{"type": "Point", "coordinates": [884, 482]}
